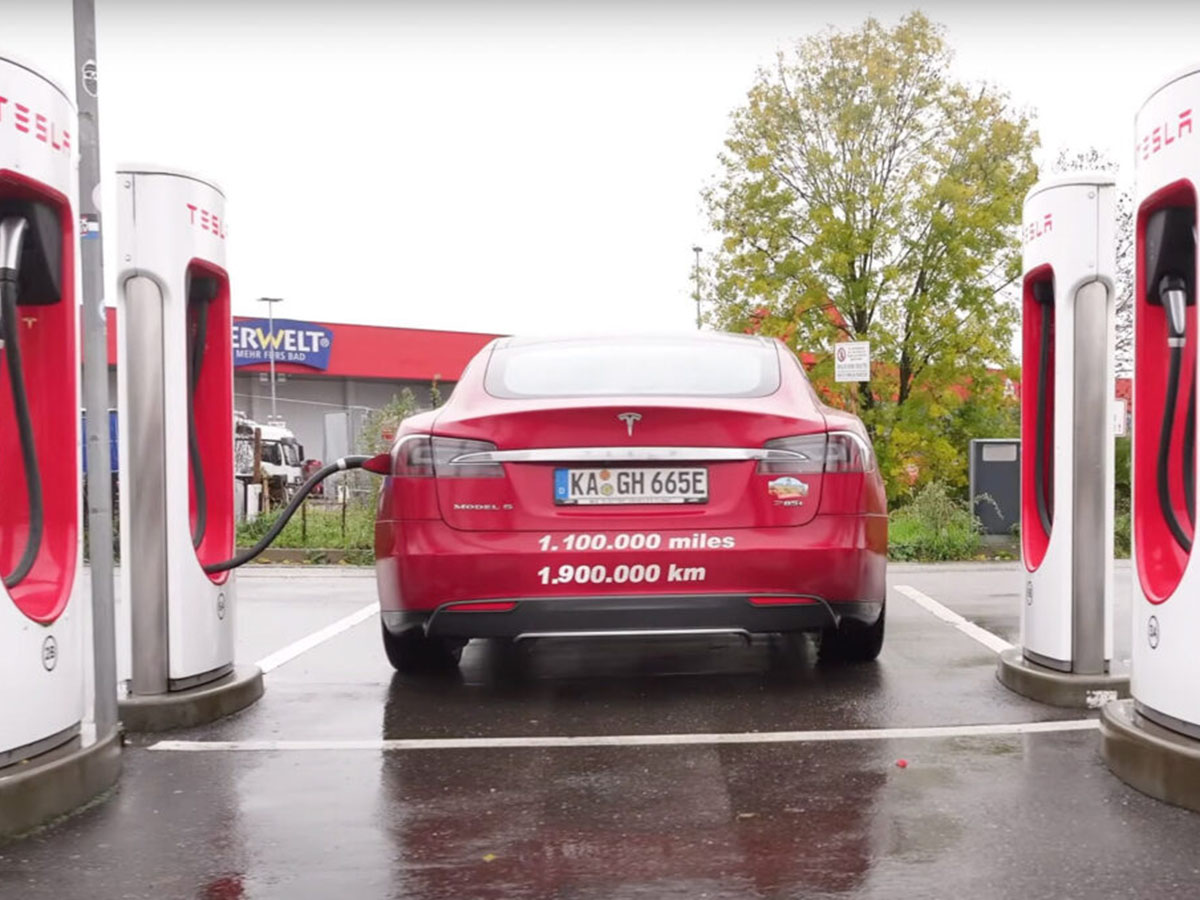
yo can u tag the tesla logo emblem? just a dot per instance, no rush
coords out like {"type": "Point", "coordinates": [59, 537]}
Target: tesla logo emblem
{"type": "Point", "coordinates": [1152, 632]}
{"type": "Point", "coordinates": [49, 653]}
{"type": "Point", "coordinates": [630, 419]}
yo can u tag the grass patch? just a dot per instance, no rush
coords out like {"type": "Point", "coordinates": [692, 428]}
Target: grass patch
{"type": "Point", "coordinates": [934, 527]}
{"type": "Point", "coordinates": [326, 528]}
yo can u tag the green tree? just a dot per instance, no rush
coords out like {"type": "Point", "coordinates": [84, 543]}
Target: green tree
{"type": "Point", "coordinates": [379, 427]}
{"type": "Point", "coordinates": [866, 195]}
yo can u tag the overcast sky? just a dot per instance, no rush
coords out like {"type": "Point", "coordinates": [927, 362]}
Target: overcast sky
{"type": "Point", "coordinates": [517, 167]}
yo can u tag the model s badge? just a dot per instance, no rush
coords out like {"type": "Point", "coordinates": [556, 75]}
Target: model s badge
{"type": "Point", "coordinates": [630, 419]}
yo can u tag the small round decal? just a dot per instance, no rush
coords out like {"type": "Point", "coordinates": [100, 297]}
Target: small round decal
{"type": "Point", "coordinates": [49, 653]}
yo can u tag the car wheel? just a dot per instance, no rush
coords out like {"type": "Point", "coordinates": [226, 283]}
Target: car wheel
{"type": "Point", "coordinates": [414, 652]}
{"type": "Point", "coordinates": [853, 641]}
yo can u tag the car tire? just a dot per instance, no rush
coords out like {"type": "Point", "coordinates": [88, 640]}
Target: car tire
{"type": "Point", "coordinates": [852, 641]}
{"type": "Point", "coordinates": [414, 652]}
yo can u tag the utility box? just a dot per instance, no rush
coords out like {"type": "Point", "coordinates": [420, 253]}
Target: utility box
{"type": "Point", "coordinates": [995, 471]}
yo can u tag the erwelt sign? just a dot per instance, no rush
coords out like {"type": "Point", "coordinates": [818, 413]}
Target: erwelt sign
{"type": "Point", "coordinates": [300, 343]}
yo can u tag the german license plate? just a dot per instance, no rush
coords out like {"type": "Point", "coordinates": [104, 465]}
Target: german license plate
{"type": "Point", "coordinates": [598, 487]}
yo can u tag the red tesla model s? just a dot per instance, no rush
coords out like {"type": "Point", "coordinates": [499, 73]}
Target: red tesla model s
{"type": "Point", "coordinates": [634, 485]}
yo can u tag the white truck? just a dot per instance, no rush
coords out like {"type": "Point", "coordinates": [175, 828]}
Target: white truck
{"type": "Point", "coordinates": [282, 456]}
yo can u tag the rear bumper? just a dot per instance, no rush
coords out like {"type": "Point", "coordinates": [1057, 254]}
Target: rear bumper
{"type": "Point", "coordinates": [541, 617]}
{"type": "Point", "coordinates": [704, 579]}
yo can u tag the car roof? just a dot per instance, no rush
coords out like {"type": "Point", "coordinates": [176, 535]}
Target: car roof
{"type": "Point", "coordinates": [697, 337]}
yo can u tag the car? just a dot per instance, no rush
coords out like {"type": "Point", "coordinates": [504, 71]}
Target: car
{"type": "Point", "coordinates": [645, 485]}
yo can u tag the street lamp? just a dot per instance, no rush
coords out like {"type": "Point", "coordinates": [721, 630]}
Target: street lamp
{"type": "Point", "coordinates": [696, 275]}
{"type": "Point", "coordinates": [271, 301]}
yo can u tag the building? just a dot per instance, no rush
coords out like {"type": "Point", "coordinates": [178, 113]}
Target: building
{"type": "Point", "coordinates": [324, 368]}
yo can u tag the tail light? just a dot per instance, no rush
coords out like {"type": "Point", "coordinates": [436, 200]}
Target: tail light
{"type": "Point", "coordinates": [426, 456]}
{"type": "Point", "coordinates": [814, 454]}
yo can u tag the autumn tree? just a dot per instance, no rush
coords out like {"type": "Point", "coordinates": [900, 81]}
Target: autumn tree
{"type": "Point", "coordinates": [864, 194]}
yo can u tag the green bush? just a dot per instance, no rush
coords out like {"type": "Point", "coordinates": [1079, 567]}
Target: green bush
{"type": "Point", "coordinates": [323, 531]}
{"type": "Point", "coordinates": [1122, 520]}
{"type": "Point", "coordinates": [934, 527]}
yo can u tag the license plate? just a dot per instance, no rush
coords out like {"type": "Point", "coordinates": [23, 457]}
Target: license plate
{"type": "Point", "coordinates": [597, 487]}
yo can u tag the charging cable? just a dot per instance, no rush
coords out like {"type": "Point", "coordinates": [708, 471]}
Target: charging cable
{"type": "Point", "coordinates": [344, 464]}
{"type": "Point", "coordinates": [195, 363]}
{"type": "Point", "coordinates": [12, 238]}
{"type": "Point", "coordinates": [1043, 292]}
{"type": "Point", "coordinates": [1172, 291]}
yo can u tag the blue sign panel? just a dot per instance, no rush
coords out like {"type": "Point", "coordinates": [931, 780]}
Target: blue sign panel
{"type": "Point", "coordinates": [112, 440]}
{"type": "Point", "coordinates": [301, 343]}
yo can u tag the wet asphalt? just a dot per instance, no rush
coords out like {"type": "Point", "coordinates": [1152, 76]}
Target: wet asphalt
{"type": "Point", "coordinates": [975, 816]}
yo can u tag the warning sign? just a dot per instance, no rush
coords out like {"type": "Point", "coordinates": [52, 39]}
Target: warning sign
{"type": "Point", "coordinates": [852, 361]}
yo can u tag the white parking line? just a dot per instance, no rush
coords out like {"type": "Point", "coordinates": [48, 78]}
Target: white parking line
{"type": "Point", "coordinates": [294, 649]}
{"type": "Point", "coordinates": [641, 740]}
{"type": "Point", "coordinates": [970, 629]}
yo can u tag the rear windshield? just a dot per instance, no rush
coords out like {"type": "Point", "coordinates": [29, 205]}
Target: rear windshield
{"type": "Point", "coordinates": [634, 367]}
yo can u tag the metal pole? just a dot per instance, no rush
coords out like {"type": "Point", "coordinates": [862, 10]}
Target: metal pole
{"type": "Point", "coordinates": [696, 276]}
{"type": "Point", "coordinates": [95, 370]}
{"type": "Point", "coordinates": [271, 330]}
{"type": "Point", "coordinates": [271, 301]}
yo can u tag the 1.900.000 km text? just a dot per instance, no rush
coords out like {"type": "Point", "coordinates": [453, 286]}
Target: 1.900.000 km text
{"type": "Point", "coordinates": [622, 574]}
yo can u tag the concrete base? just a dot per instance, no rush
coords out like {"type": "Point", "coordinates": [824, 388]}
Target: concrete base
{"type": "Point", "coordinates": [1058, 688]}
{"type": "Point", "coordinates": [1151, 758]}
{"type": "Point", "coordinates": [42, 789]}
{"type": "Point", "coordinates": [196, 706]}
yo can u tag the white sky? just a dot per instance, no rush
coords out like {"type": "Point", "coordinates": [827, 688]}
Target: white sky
{"type": "Point", "coordinates": [509, 168]}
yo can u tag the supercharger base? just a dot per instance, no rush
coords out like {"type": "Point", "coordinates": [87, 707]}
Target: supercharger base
{"type": "Point", "coordinates": [1154, 760]}
{"type": "Point", "coordinates": [59, 782]}
{"type": "Point", "coordinates": [149, 713]}
{"type": "Point", "coordinates": [1055, 688]}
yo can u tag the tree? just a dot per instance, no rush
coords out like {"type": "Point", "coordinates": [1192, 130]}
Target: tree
{"type": "Point", "coordinates": [1092, 160]}
{"type": "Point", "coordinates": [865, 195]}
{"type": "Point", "coordinates": [379, 427]}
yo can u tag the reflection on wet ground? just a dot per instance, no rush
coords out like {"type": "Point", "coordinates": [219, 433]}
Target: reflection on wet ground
{"type": "Point", "coordinates": [990, 816]}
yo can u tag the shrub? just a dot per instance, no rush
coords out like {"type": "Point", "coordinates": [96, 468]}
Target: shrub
{"type": "Point", "coordinates": [323, 530]}
{"type": "Point", "coordinates": [934, 527]}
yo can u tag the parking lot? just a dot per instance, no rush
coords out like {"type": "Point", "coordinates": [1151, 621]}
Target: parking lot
{"type": "Point", "coordinates": [643, 768]}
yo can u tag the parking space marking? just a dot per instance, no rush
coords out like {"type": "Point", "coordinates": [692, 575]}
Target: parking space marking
{"type": "Point", "coordinates": [970, 629]}
{"type": "Point", "coordinates": [294, 649]}
{"type": "Point", "coordinates": [640, 740]}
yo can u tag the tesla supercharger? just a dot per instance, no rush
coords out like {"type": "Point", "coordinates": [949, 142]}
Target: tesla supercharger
{"type": "Point", "coordinates": [175, 384]}
{"type": "Point", "coordinates": [1067, 445]}
{"type": "Point", "coordinates": [1153, 740]}
{"type": "Point", "coordinates": [51, 759]}
{"type": "Point", "coordinates": [41, 608]}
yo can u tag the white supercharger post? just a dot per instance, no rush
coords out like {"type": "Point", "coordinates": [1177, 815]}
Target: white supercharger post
{"type": "Point", "coordinates": [45, 672]}
{"type": "Point", "coordinates": [1067, 445]}
{"type": "Point", "coordinates": [176, 453]}
{"type": "Point", "coordinates": [1153, 740]}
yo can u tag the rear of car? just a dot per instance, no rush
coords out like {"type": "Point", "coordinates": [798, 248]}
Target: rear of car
{"type": "Point", "coordinates": [633, 485]}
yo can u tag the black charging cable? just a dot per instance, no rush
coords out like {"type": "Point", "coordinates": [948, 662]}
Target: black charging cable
{"type": "Point", "coordinates": [342, 465]}
{"type": "Point", "coordinates": [195, 363]}
{"type": "Point", "coordinates": [1189, 457]}
{"type": "Point", "coordinates": [1172, 291]}
{"type": "Point", "coordinates": [12, 234]}
{"type": "Point", "coordinates": [1045, 509]}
